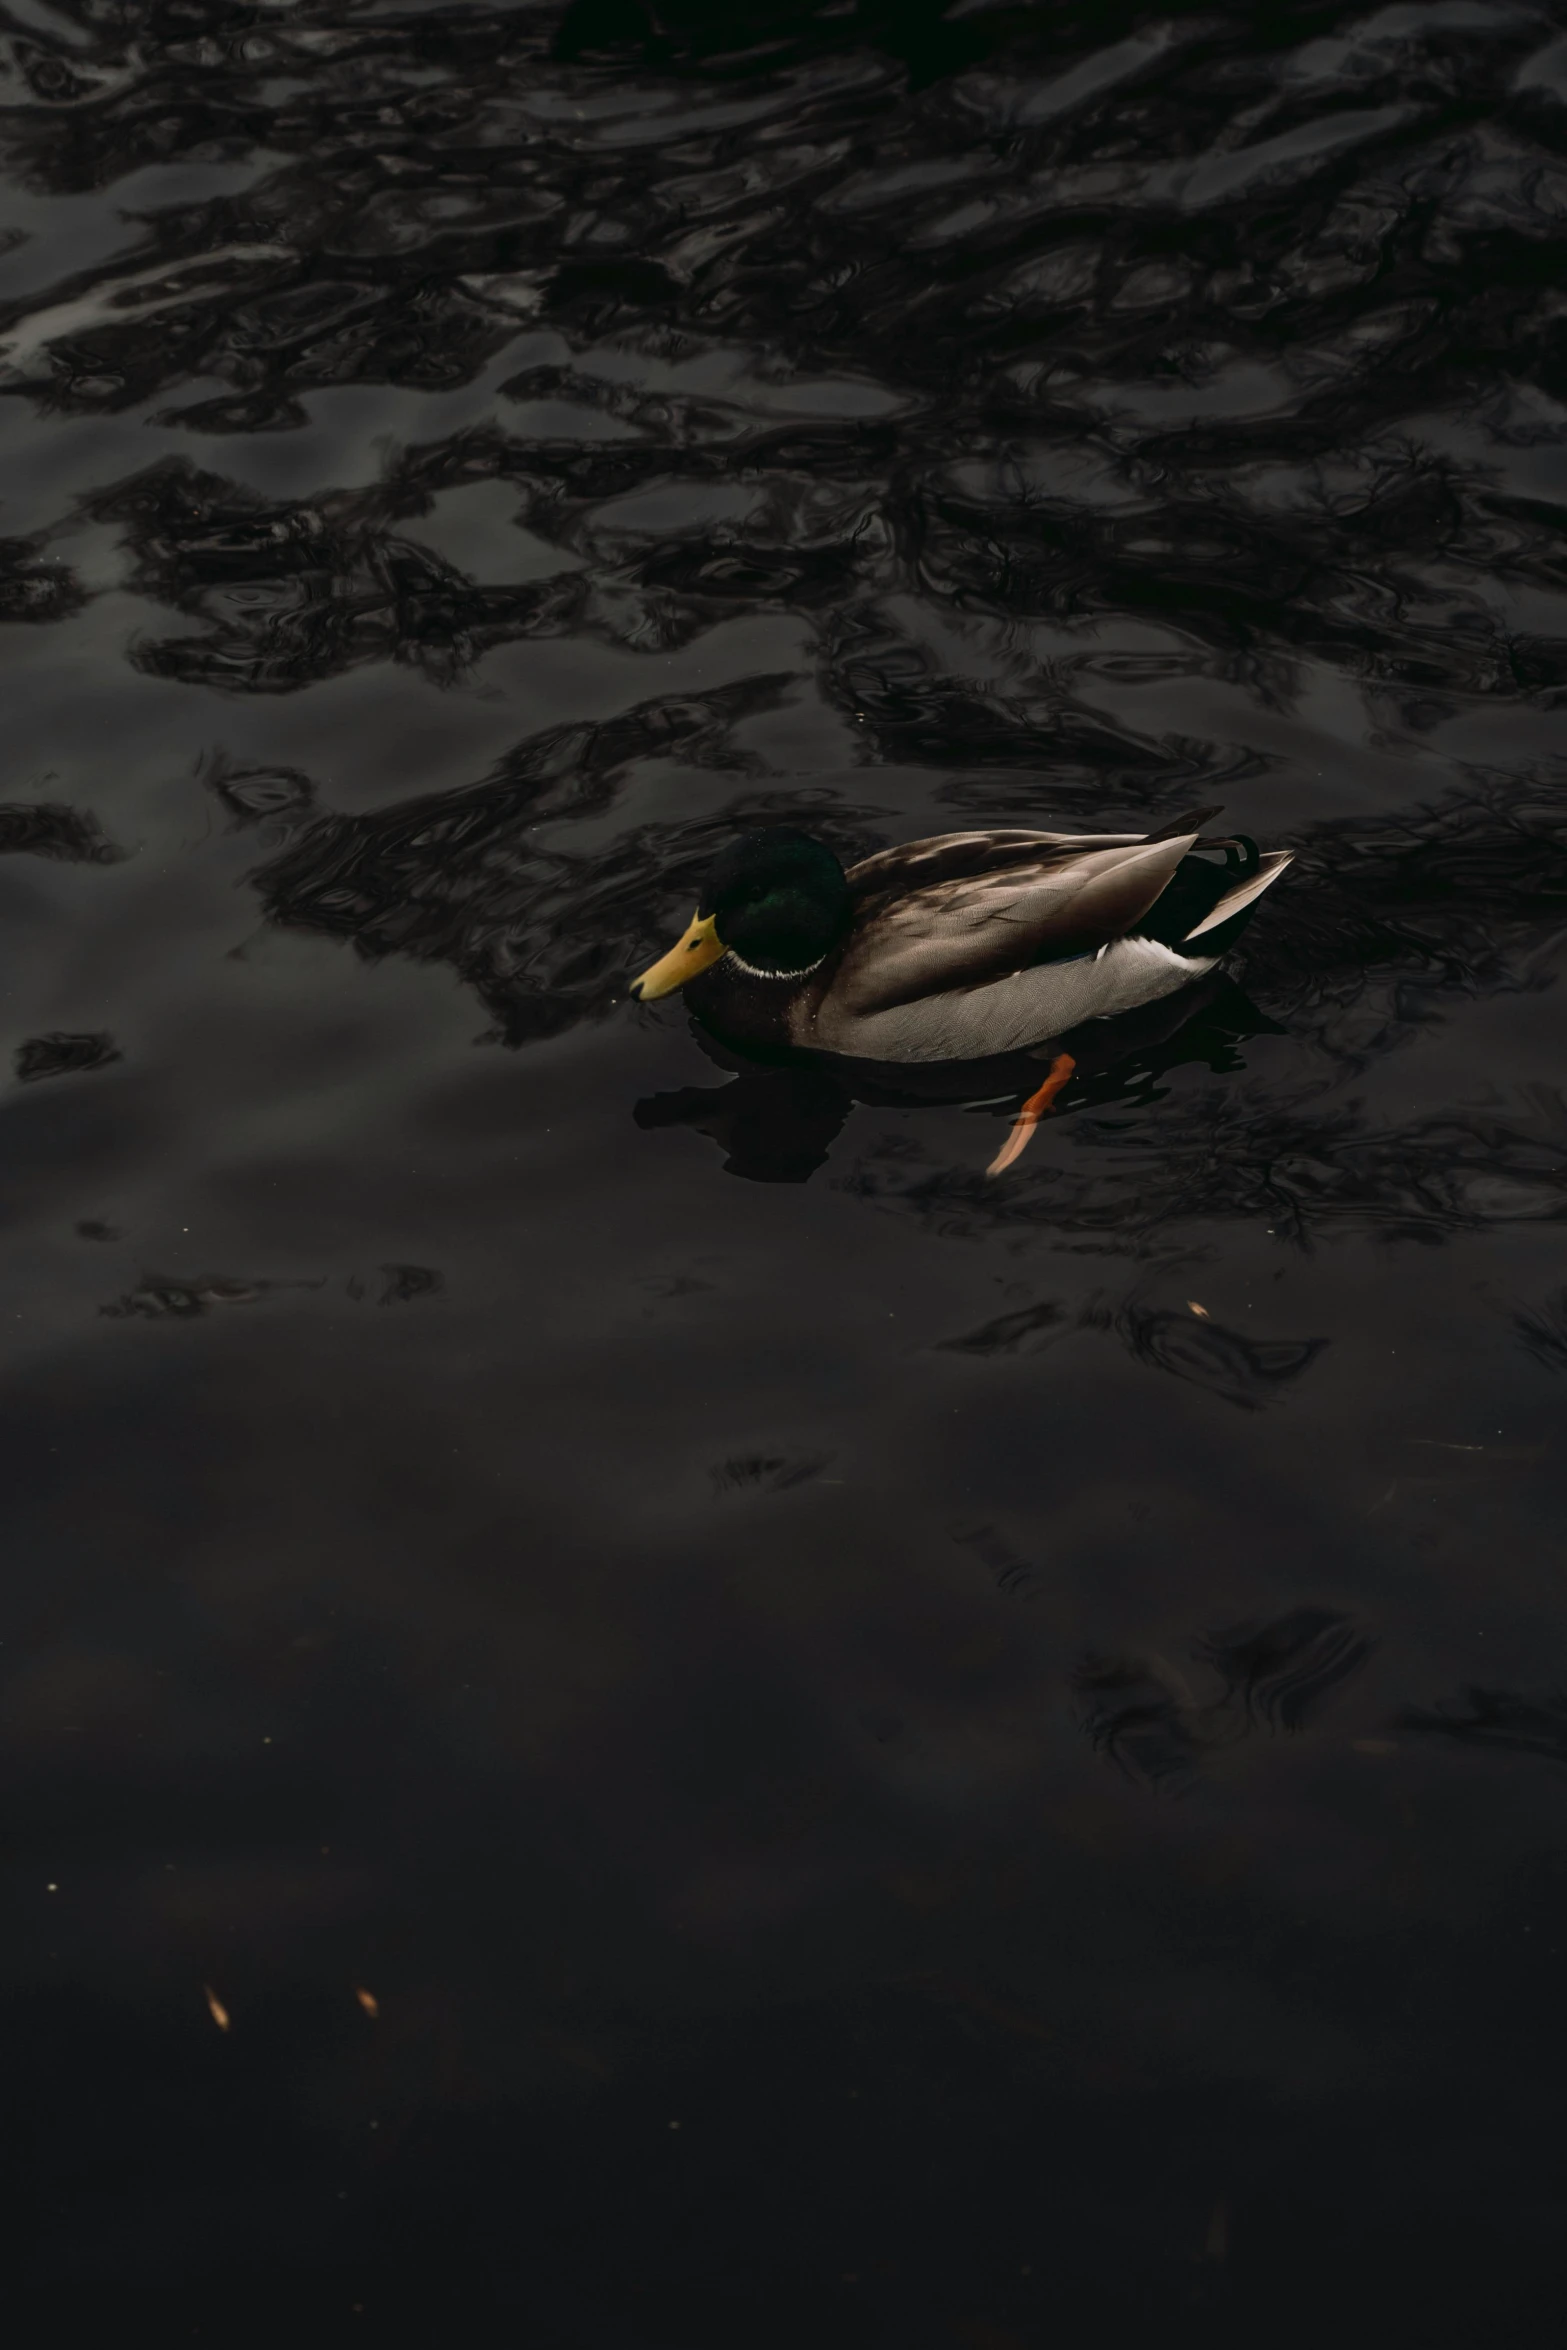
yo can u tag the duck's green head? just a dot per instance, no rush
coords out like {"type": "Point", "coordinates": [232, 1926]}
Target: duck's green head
{"type": "Point", "coordinates": [776, 900]}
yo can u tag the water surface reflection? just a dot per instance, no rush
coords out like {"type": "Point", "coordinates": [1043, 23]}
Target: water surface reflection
{"type": "Point", "coordinates": [900, 1756]}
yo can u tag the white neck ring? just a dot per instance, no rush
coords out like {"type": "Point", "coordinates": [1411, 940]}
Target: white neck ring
{"type": "Point", "coordinates": [757, 971]}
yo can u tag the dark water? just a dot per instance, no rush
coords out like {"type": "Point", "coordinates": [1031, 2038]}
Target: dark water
{"type": "Point", "coordinates": [892, 1783]}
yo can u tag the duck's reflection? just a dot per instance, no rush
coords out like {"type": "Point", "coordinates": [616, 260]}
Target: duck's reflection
{"type": "Point", "coordinates": [773, 1125]}
{"type": "Point", "coordinates": [776, 1122]}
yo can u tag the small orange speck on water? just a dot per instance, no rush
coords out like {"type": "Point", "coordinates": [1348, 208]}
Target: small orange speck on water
{"type": "Point", "coordinates": [216, 2009]}
{"type": "Point", "coordinates": [1200, 1311]}
{"type": "Point", "coordinates": [367, 2000]}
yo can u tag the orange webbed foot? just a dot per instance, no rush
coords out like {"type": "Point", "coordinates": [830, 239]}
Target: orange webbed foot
{"type": "Point", "coordinates": [1029, 1115]}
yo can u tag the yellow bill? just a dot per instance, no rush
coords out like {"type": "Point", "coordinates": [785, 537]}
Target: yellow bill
{"type": "Point", "coordinates": [697, 951]}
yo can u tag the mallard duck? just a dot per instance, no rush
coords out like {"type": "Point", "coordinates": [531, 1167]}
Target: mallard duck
{"type": "Point", "coordinates": [957, 947]}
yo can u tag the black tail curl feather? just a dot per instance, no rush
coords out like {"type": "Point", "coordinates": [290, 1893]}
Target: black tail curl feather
{"type": "Point", "coordinates": [1242, 856]}
{"type": "Point", "coordinates": [1193, 891]}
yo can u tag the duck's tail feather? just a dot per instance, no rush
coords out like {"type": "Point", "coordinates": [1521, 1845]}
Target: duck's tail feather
{"type": "Point", "coordinates": [1178, 826]}
{"type": "Point", "coordinates": [1245, 893]}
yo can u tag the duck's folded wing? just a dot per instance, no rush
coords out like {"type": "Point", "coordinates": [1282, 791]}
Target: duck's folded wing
{"type": "Point", "coordinates": [966, 856]}
{"type": "Point", "coordinates": [1067, 899]}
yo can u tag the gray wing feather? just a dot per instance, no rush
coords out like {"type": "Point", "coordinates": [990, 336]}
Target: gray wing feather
{"type": "Point", "coordinates": [1069, 898]}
